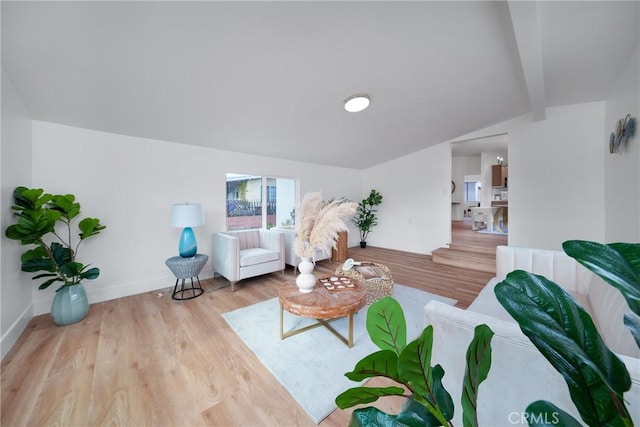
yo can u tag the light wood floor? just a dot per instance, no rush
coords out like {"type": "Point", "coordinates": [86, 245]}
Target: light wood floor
{"type": "Point", "coordinates": [462, 234]}
{"type": "Point", "coordinates": [149, 360]}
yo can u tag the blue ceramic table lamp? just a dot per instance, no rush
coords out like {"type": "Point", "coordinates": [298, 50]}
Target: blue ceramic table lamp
{"type": "Point", "coordinates": [187, 215]}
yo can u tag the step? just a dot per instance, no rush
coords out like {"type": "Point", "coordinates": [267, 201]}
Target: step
{"type": "Point", "coordinates": [474, 249]}
{"type": "Point", "coordinates": [465, 259]}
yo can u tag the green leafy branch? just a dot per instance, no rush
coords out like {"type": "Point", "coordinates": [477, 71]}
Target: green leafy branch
{"type": "Point", "coordinates": [366, 217]}
{"type": "Point", "coordinates": [428, 403]}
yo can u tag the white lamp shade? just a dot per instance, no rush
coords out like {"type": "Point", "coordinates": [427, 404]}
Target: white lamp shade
{"type": "Point", "coordinates": [187, 215]}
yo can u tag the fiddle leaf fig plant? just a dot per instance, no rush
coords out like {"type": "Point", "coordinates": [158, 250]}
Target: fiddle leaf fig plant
{"type": "Point", "coordinates": [45, 221]}
{"type": "Point", "coordinates": [616, 263]}
{"type": "Point", "coordinates": [565, 334]}
{"type": "Point", "coordinates": [428, 402]}
{"type": "Point", "coordinates": [366, 217]}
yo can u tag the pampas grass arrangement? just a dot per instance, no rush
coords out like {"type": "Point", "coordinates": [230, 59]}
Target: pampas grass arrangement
{"type": "Point", "coordinates": [319, 223]}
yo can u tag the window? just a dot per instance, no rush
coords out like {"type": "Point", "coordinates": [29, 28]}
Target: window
{"type": "Point", "coordinates": [471, 191]}
{"type": "Point", "coordinates": [472, 188]}
{"type": "Point", "coordinates": [245, 207]}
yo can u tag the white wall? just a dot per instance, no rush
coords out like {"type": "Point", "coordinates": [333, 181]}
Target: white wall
{"type": "Point", "coordinates": [415, 212]}
{"type": "Point", "coordinates": [15, 287]}
{"type": "Point", "coordinates": [556, 178]}
{"type": "Point", "coordinates": [556, 184]}
{"type": "Point", "coordinates": [622, 170]}
{"type": "Point", "coordinates": [556, 175]}
{"type": "Point", "coordinates": [130, 184]}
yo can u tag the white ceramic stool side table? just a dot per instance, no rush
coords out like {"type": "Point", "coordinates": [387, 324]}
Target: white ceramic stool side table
{"type": "Point", "coordinates": [187, 268]}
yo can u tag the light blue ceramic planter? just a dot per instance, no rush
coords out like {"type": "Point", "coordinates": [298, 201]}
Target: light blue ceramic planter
{"type": "Point", "coordinates": [70, 305]}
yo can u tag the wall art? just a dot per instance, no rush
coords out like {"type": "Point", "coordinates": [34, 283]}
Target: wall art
{"type": "Point", "coordinates": [625, 129]}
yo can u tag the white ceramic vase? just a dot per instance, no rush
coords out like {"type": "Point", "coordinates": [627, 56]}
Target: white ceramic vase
{"type": "Point", "coordinates": [306, 281]}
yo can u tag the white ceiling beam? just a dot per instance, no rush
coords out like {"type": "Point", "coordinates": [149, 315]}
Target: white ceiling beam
{"type": "Point", "coordinates": [526, 27]}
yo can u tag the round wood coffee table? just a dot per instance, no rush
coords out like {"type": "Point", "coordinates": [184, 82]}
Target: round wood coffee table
{"type": "Point", "coordinates": [323, 305]}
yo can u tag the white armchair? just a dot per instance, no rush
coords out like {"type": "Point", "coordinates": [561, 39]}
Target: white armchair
{"type": "Point", "coordinates": [238, 255]}
{"type": "Point", "coordinates": [290, 248]}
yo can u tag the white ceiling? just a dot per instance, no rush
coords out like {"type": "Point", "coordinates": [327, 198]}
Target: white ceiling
{"type": "Point", "coordinates": [269, 77]}
{"type": "Point", "coordinates": [477, 146]}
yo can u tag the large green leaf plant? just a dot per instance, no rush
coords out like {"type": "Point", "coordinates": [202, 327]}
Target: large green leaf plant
{"type": "Point", "coordinates": [44, 222]}
{"type": "Point", "coordinates": [428, 403]}
{"type": "Point", "coordinates": [566, 335]}
{"type": "Point", "coordinates": [560, 329]}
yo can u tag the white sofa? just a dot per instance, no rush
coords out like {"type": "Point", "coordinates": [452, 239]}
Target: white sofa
{"type": "Point", "coordinates": [241, 254]}
{"type": "Point", "coordinates": [290, 248]}
{"type": "Point", "coordinates": [519, 373]}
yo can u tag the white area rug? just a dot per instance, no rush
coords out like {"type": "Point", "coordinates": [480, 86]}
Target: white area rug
{"type": "Point", "coordinates": [311, 365]}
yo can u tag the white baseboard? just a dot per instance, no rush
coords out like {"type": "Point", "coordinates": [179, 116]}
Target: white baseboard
{"type": "Point", "coordinates": [15, 330]}
{"type": "Point", "coordinates": [97, 293]}
{"type": "Point", "coordinates": [42, 303]}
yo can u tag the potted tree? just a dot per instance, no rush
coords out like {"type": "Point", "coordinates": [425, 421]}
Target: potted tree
{"type": "Point", "coordinates": [366, 217]}
{"type": "Point", "coordinates": [44, 223]}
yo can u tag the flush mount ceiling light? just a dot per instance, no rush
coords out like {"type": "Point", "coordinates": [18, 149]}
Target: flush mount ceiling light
{"type": "Point", "coordinates": [357, 102]}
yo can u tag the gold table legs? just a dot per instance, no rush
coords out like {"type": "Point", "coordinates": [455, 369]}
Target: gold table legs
{"type": "Point", "coordinates": [348, 341]}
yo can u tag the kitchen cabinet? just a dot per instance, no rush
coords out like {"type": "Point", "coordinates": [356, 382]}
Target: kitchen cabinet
{"type": "Point", "coordinates": [499, 175]}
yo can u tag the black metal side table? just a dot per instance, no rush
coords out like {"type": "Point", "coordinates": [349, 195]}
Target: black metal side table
{"type": "Point", "coordinates": [187, 268]}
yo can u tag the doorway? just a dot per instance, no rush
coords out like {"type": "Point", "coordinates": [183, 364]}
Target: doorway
{"type": "Point", "coordinates": [474, 197]}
